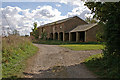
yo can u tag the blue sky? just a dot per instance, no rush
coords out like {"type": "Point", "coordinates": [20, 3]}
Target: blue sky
{"type": "Point", "coordinates": [32, 5]}
{"type": "Point", "coordinates": [22, 15]}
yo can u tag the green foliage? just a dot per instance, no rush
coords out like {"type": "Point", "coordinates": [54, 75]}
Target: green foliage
{"type": "Point", "coordinates": [44, 35]}
{"type": "Point", "coordinates": [100, 34]}
{"type": "Point", "coordinates": [56, 42]}
{"type": "Point", "coordinates": [109, 14]}
{"type": "Point", "coordinates": [102, 67]}
{"type": "Point", "coordinates": [91, 20]}
{"type": "Point", "coordinates": [15, 32]}
{"type": "Point", "coordinates": [15, 50]}
{"type": "Point", "coordinates": [35, 31]}
{"type": "Point", "coordinates": [99, 37]}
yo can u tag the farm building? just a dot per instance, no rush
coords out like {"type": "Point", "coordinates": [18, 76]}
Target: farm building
{"type": "Point", "coordinates": [70, 29]}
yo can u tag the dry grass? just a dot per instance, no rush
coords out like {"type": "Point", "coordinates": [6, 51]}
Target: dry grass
{"type": "Point", "coordinates": [13, 42]}
{"type": "Point", "coordinates": [15, 49]}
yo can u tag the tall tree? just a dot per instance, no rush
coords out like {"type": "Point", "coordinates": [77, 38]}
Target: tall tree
{"type": "Point", "coordinates": [35, 31]}
{"type": "Point", "coordinates": [109, 14]}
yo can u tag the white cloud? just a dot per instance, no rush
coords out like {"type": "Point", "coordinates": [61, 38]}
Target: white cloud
{"type": "Point", "coordinates": [89, 15]}
{"type": "Point", "coordinates": [14, 20]}
{"type": "Point", "coordinates": [45, 12]}
{"type": "Point", "coordinates": [64, 1]}
{"type": "Point", "coordinates": [78, 3]}
{"type": "Point", "coordinates": [11, 10]}
{"type": "Point", "coordinates": [73, 2]}
{"type": "Point", "coordinates": [79, 10]}
{"type": "Point", "coordinates": [22, 20]}
{"type": "Point", "coordinates": [58, 5]}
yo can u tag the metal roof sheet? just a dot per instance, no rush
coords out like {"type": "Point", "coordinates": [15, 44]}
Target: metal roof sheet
{"type": "Point", "coordinates": [83, 27]}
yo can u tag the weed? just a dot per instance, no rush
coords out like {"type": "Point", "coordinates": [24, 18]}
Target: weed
{"type": "Point", "coordinates": [15, 50]}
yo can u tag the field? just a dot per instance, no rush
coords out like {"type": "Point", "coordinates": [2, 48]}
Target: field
{"type": "Point", "coordinates": [78, 47]}
{"type": "Point", "coordinates": [15, 50]}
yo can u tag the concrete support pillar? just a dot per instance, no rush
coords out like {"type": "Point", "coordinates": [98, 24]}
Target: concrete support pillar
{"type": "Point", "coordinates": [58, 36]}
{"type": "Point", "coordinates": [63, 36]}
{"type": "Point", "coordinates": [53, 36]}
{"type": "Point", "coordinates": [85, 36]}
{"type": "Point", "coordinates": [70, 37]}
{"type": "Point", "coordinates": [77, 37]}
{"type": "Point", "coordinates": [48, 35]}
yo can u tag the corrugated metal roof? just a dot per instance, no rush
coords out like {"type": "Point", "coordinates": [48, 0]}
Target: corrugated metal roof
{"type": "Point", "coordinates": [83, 27]}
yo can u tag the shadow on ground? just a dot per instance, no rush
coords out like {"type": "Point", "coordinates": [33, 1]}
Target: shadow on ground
{"type": "Point", "coordinates": [73, 71]}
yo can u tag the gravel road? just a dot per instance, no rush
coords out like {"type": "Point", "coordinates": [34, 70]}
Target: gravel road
{"type": "Point", "coordinates": [53, 61]}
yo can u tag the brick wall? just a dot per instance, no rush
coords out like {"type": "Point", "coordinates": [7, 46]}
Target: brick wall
{"type": "Point", "coordinates": [72, 23]}
{"type": "Point", "coordinates": [91, 34]}
{"type": "Point", "coordinates": [62, 27]}
{"type": "Point", "coordinates": [39, 31]}
{"type": "Point", "coordinates": [59, 27]}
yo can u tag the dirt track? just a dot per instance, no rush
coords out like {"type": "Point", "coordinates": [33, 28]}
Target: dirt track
{"type": "Point", "coordinates": [53, 61]}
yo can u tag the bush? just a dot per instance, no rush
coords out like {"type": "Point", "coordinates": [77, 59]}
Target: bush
{"type": "Point", "coordinates": [58, 42]}
{"type": "Point", "coordinates": [104, 67]}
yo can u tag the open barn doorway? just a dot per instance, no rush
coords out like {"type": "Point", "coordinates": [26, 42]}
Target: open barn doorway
{"type": "Point", "coordinates": [51, 36]}
{"type": "Point", "coordinates": [56, 36]}
{"type": "Point", "coordinates": [82, 36]}
{"type": "Point", "coordinates": [61, 36]}
{"type": "Point", "coordinates": [73, 34]}
{"type": "Point", "coordinates": [66, 36]}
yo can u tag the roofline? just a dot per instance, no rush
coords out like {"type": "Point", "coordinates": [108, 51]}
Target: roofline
{"type": "Point", "coordinates": [91, 27]}
{"type": "Point", "coordinates": [62, 22]}
{"type": "Point", "coordinates": [86, 28]}
{"type": "Point", "coordinates": [81, 19]}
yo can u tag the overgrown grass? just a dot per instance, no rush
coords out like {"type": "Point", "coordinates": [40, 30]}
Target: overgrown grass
{"type": "Point", "coordinates": [56, 42]}
{"type": "Point", "coordinates": [15, 50]}
{"type": "Point", "coordinates": [78, 47]}
{"type": "Point", "coordinates": [104, 67]}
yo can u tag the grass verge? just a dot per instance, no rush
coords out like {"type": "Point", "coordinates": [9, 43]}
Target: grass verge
{"type": "Point", "coordinates": [78, 47]}
{"type": "Point", "coordinates": [15, 50]}
{"type": "Point", "coordinates": [104, 67]}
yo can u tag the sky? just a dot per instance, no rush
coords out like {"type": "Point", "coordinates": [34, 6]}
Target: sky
{"type": "Point", "coordinates": [21, 15]}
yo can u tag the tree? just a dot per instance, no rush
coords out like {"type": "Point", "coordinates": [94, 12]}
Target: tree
{"type": "Point", "coordinates": [108, 14]}
{"type": "Point", "coordinates": [90, 20]}
{"type": "Point", "coordinates": [15, 32]}
{"type": "Point", "coordinates": [43, 35]}
{"type": "Point", "coordinates": [35, 31]}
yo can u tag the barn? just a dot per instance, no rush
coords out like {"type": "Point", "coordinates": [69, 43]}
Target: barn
{"type": "Point", "coordinates": [70, 29]}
